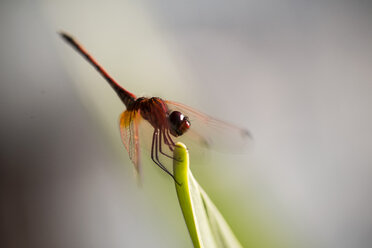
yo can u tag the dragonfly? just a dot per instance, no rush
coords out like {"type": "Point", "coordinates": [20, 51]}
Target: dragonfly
{"type": "Point", "coordinates": [168, 119]}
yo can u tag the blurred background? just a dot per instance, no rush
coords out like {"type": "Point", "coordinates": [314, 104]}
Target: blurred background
{"type": "Point", "coordinates": [297, 74]}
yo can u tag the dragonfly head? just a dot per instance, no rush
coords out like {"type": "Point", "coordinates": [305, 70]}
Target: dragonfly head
{"type": "Point", "coordinates": [178, 123]}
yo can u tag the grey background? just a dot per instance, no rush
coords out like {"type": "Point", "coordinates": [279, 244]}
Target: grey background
{"type": "Point", "coordinates": [296, 73]}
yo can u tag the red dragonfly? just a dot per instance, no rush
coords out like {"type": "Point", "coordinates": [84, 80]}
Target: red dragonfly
{"type": "Point", "coordinates": [169, 120]}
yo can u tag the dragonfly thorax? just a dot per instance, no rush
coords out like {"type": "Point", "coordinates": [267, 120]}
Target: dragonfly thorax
{"type": "Point", "coordinates": [154, 110]}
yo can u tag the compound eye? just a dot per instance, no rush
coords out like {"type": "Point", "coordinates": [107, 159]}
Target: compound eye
{"type": "Point", "coordinates": [175, 119]}
{"type": "Point", "coordinates": [178, 123]}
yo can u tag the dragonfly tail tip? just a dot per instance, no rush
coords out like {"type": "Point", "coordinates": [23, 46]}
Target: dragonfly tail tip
{"type": "Point", "coordinates": [65, 36]}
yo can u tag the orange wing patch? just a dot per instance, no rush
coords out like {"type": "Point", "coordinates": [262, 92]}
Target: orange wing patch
{"type": "Point", "coordinates": [129, 121]}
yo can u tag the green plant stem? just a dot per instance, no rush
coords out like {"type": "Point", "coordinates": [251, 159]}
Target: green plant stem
{"type": "Point", "coordinates": [181, 168]}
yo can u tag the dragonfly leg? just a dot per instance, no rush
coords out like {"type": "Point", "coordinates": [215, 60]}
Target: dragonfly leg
{"type": "Point", "coordinates": [154, 151]}
{"type": "Point", "coordinates": [162, 135]}
{"type": "Point", "coordinates": [171, 144]}
{"type": "Point", "coordinates": [168, 140]}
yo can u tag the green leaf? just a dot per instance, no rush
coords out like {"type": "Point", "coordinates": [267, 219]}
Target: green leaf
{"type": "Point", "coordinates": [206, 225]}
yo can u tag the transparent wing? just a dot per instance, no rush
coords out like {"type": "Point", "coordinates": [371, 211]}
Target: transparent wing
{"type": "Point", "coordinates": [129, 121]}
{"type": "Point", "coordinates": [211, 132]}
